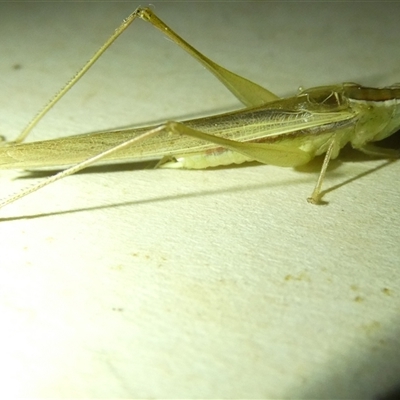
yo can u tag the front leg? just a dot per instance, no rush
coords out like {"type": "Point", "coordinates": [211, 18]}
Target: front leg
{"type": "Point", "coordinates": [381, 152]}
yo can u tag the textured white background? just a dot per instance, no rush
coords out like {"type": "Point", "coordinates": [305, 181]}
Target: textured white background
{"type": "Point", "coordinates": [223, 283]}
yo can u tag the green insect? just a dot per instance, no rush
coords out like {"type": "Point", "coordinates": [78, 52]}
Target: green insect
{"type": "Point", "coordinates": [285, 132]}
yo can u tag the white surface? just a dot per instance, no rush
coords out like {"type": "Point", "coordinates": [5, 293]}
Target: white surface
{"type": "Point", "coordinates": [224, 283]}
